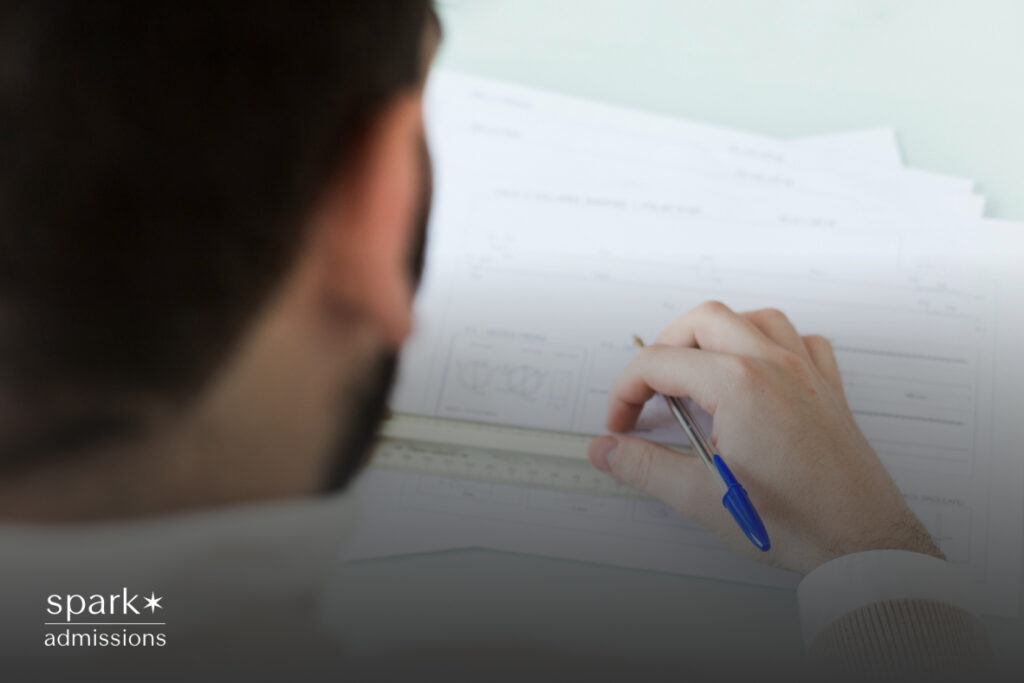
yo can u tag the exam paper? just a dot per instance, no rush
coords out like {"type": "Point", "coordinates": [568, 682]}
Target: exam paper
{"type": "Point", "coordinates": [494, 127]}
{"type": "Point", "coordinates": [409, 513]}
{"type": "Point", "coordinates": [571, 226]}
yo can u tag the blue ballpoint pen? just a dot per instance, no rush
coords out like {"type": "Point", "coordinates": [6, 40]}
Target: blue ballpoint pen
{"type": "Point", "coordinates": [734, 496]}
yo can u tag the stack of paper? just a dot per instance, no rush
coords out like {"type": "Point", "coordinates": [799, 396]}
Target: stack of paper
{"type": "Point", "coordinates": [561, 227]}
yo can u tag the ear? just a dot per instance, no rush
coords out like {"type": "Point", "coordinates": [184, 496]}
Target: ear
{"type": "Point", "coordinates": [368, 216]}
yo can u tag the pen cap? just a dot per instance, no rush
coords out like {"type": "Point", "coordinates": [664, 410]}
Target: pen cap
{"type": "Point", "coordinates": [738, 504]}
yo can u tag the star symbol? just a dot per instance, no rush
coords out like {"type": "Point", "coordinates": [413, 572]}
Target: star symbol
{"type": "Point", "coordinates": [153, 602]}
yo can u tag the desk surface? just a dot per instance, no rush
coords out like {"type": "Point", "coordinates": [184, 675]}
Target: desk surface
{"type": "Point", "coordinates": [946, 75]}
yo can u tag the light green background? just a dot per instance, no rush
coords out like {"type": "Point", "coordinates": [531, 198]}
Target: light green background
{"type": "Point", "coordinates": [948, 76]}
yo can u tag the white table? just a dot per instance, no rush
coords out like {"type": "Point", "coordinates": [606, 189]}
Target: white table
{"type": "Point", "coordinates": [949, 76]}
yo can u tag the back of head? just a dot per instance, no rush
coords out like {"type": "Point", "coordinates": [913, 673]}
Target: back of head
{"type": "Point", "coordinates": [158, 160]}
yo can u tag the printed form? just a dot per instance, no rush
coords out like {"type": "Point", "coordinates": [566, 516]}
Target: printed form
{"type": "Point", "coordinates": [562, 227]}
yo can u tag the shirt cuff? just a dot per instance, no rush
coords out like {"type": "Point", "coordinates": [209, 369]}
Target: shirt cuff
{"type": "Point", "coordinates": [853, 581]}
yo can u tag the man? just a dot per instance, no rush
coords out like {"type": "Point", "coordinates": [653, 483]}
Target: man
{"type": "Point", "coordinates": [212, 228]}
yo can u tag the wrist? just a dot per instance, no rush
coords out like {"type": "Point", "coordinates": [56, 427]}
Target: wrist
{"type": "Point", "coordinates": [908, 533]}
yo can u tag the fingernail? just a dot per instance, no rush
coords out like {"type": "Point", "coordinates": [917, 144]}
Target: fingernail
{"type": "Point", "coordinates": [602, 452]}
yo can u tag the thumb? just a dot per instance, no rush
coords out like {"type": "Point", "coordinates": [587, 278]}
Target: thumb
{"type": "Point", "coordinates": [677, 479]}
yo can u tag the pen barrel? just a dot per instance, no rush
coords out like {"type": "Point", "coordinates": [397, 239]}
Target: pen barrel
{"type": "Point", "coordinates": [693, 429]}
{"type": "Point", "coordinates": [700, 443]}
{"type": "Point", "coordinates": [734, 498]}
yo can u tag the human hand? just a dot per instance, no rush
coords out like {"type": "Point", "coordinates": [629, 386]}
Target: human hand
{"type": "Point", "coordinates": [782, 424]}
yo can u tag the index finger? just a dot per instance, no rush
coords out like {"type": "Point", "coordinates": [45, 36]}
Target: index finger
{"type": "Point", "coordinates": [669, 370]}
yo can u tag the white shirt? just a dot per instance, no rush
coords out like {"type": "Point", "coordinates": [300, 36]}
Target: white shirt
{"type": "Point", "coordinates": [847, 583]}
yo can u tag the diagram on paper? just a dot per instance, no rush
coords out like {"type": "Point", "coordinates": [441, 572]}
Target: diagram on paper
{"type": "Point", "coordinates": [511, 378]}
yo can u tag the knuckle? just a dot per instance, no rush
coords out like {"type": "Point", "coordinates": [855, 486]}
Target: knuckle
{"type": "Point", "coordinates": [791, 362]}
{"type": "Point", "coordinates": [818, 343]}
{"type": "Point", "coordinates": [772, 315]}
{"type": "Point", "coordinates": [744, 370]}
{"type": "Point", "coordinates": [797, 368]}
{"type": "Point", "coordinates": [713, 307]}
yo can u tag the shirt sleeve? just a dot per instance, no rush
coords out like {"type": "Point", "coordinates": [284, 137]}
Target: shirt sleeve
{"type": "Point", "coordinates": [850, 582]}
{"type": "Point", "coordinates": [887, 611]}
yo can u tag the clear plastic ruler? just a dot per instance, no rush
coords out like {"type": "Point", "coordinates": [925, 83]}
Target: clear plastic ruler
{"type": "Point", "coordinates": [492, 453]}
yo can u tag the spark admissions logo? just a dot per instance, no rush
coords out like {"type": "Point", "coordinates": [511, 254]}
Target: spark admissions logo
{"type": "Point", "coordinates": [111, 620]}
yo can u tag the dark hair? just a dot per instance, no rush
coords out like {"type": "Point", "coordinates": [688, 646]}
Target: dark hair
{"type": "Point", "coordinates": [158, 162]}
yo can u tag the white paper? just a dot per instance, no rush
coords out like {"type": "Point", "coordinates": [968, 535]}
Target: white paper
{"type": "Point", "coordinates": [548, 253]}
{"type": "Point", "coordinates": [875, 145]}
{"type": "Point", "coordinates": [490, 126]}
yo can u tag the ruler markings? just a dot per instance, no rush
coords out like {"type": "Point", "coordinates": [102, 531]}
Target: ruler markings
{"type": "Point", "coordinates": [498, 454]}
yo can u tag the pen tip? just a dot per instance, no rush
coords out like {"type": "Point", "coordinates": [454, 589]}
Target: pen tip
{"type": "Point", "coordinates": [638, 342]}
